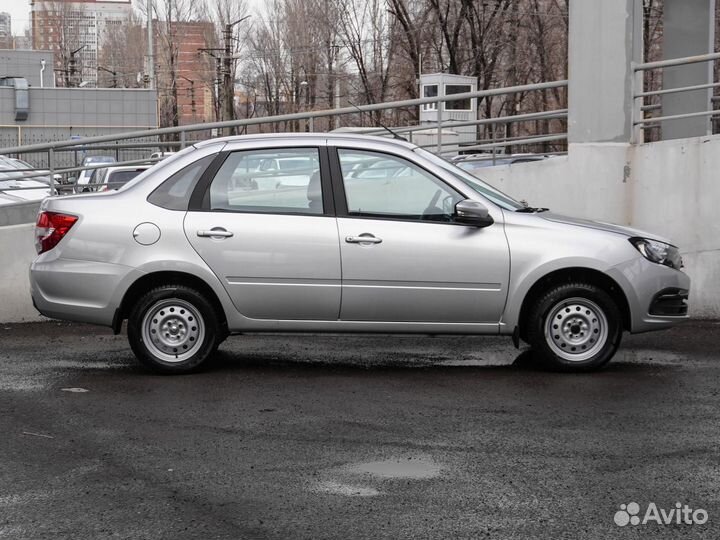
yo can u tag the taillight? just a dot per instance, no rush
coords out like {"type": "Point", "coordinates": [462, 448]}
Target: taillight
{"type": "Point", "coordinates": [50, 229]}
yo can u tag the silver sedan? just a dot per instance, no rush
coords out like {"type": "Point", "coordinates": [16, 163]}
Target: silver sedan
{"type": "Point", "coordinates": [210, 243]}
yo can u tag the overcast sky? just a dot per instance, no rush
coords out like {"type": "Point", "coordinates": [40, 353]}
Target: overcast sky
{"type": "Point", "coordinates": [20, 12]}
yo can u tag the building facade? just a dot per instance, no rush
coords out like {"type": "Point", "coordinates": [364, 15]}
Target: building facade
{"type": "Point", "coordinates": [195, 73]}
{"type": "Point", "coordinates": [6, 38]}
{"type": "Point", "coordinates": [75, 30]}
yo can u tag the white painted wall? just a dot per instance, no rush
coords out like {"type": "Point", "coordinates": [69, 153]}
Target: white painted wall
{"type": "Point", "coordinates": [18, 250]}
{"type": "Point", "coordinates": [670, 187]}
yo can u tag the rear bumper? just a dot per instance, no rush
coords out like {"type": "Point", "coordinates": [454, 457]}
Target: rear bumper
{"type": "Point", "coordinates": [657, 295]}
{"type": "Point", "coordinates": [80, 291]}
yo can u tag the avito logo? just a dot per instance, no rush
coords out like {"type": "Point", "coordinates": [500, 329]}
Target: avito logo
{"type": "Point", "coordinates": [629, 514]}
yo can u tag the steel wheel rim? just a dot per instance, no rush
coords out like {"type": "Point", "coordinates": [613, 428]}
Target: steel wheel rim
{"type": "Point", "coordinates": [173, 330]}
{"type": "Point", "coordinates": [576, 329]}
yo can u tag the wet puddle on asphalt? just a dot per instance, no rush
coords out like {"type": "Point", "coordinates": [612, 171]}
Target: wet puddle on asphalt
{"type": "Point", "coordinates": [352, 480]}
{"type": "Point", "coordinates": [409, 468]}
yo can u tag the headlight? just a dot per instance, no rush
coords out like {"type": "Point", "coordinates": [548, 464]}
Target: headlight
{"type": "Point", "coordinates": [658, 252]}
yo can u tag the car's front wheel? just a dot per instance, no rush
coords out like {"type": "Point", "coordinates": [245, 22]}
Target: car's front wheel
{"type": "Point", "coordinates": [173, 329]}
{"type": "Point", "coordinates": [575, 327]}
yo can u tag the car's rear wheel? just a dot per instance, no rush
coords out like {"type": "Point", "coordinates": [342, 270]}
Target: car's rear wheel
{"type": "Point", "coordinates": [173, 329]}
{"type": "Point", "coordinates": [575, 327]}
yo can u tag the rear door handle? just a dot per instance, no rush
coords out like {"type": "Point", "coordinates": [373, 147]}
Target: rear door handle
{"type": "Point", "coordinates": [364, 238]}
{"type": "Point", "coordinates": [215, 232]}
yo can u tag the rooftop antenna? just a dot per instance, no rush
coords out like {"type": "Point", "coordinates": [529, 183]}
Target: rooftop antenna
{"type": "Point", "coordinates": [379, 123]}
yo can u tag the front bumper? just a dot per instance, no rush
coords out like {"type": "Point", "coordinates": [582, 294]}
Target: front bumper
{"type": "Point", "coordinates": [656, 294]}
{"type": "Point", "coordinates": [670, 302]}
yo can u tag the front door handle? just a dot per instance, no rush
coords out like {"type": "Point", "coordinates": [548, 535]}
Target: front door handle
{"type": "Point", "coordinates": [364, 238]}
{"type": "Point", "coordinates": [215, 232]}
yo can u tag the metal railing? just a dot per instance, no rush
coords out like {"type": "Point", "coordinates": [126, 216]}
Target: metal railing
{"type": "Point", "coordinates": [640, 122]}
{"type": "Point", "coordinates": [61, 157]}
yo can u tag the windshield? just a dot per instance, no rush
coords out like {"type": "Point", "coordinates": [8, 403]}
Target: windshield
{"type": "Point", "coordinates": [486, 190]}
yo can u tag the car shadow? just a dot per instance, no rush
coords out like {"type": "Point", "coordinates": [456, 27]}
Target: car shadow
{"type": "Point", "coordinates": [523, 361]}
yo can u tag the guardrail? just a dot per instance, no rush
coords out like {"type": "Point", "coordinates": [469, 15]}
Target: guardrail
{"type": "Point", "coordinates": [640, 122]}
{"type": "Point", "coordinates": [61, 157]}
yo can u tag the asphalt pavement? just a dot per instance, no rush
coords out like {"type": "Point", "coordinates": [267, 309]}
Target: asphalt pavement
{"type": "Point", "coordinates": [347, 437]}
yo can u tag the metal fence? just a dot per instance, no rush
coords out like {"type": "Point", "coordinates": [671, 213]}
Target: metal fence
{"type": "Point", "coordinates": [641, 122]}
{"type": "Point", "coordinates": [62, 160]}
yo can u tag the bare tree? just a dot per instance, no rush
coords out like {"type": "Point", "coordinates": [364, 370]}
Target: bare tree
{"type": "Point", "coordinates": [368, 36]}
{"type": "Point", "coordinates": [123, 53]}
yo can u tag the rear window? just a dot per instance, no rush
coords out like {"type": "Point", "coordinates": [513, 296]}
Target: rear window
{"type": "Point", "coordinates": [174, 193]}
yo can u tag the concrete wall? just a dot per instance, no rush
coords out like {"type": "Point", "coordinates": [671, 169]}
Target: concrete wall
{"type": "Point", "coordinates": [58, 113]}
{"type": "Point", "coordinates": [688, 30]}
{"type": "Point", "coordinates": [27, 64]}
{"type": "Point", "coordinates": [605, 38]}
{"type": "Point", "coordinates": [17, 248]}
{"type": "Point", "coordinates": [671, 188]}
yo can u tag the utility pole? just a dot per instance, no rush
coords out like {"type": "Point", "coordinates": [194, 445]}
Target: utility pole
{"type": "Point", "coordinates": [150, 56]}
{"type": "Point", "coordinates": [192, 95]}
{"type": "Point", "coordinates": [218, 88]}
{"type": "Point", "coordinates": [228, 86]}
{"type": "Point", "coordinates": [72, 67]}
{"type": "Point", "coordinates": [228, 79]}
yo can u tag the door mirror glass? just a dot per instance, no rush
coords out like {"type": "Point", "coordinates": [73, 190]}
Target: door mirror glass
{"type": "Point", "coordinates": [471, 212]}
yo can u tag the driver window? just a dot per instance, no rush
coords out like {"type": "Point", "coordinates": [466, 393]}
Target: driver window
{"type": "Point", "coordinates": [379, 184]}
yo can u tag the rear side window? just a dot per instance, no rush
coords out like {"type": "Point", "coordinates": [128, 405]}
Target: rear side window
{"type": "Point", "coordinates": [270, 181]}
{"type": "Point", "coordinates": [174, 193]}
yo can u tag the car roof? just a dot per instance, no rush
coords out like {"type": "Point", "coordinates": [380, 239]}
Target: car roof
{"type": "Point", "coordinates": [328, 136]}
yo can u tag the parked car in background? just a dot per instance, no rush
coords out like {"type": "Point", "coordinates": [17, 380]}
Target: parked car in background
{"type": "Point", "coordinates": [17, 168]}
{"type": "Point", "coordinates": [473, 162]}
{"type": "Point", "coordinates": [17, 185]}
{"type": "Point", "coordinates": [113, 178]}
{"type": "Point", "coordinates": [161, 155]}
{"type": "Point", "coordinates": [84, 177]}
{"type": "Point", "coordinates": [188, 259]}
{"type": "Point", "coordinates": [284, 172]}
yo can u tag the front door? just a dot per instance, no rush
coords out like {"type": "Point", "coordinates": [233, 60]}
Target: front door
{"type": "Point", "coordinates": [268, 236]}
{"type": "Point", "coordinates": [403, 258]}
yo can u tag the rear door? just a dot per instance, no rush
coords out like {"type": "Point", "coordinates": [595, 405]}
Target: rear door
{"type": "Point", "coordinates": [275, 248]}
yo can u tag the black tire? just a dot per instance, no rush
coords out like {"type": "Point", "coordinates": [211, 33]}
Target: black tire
{"type": "Point", "coordinates": [174, 321]}
{"type": "Point", "coordinates": [575, 327]}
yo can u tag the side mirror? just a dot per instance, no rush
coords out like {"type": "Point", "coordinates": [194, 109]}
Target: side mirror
{"type": "Point", "coordinates": [474, 213]}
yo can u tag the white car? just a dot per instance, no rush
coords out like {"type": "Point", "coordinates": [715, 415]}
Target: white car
{"type": "Point", "coordinates": [15, 187]}
{"type": "Point", "coordinates": [113, 178]}
{"type": "Point", "coordinates": [161, 155]}
{"type": "Point", "coordinates": [84, 176]}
